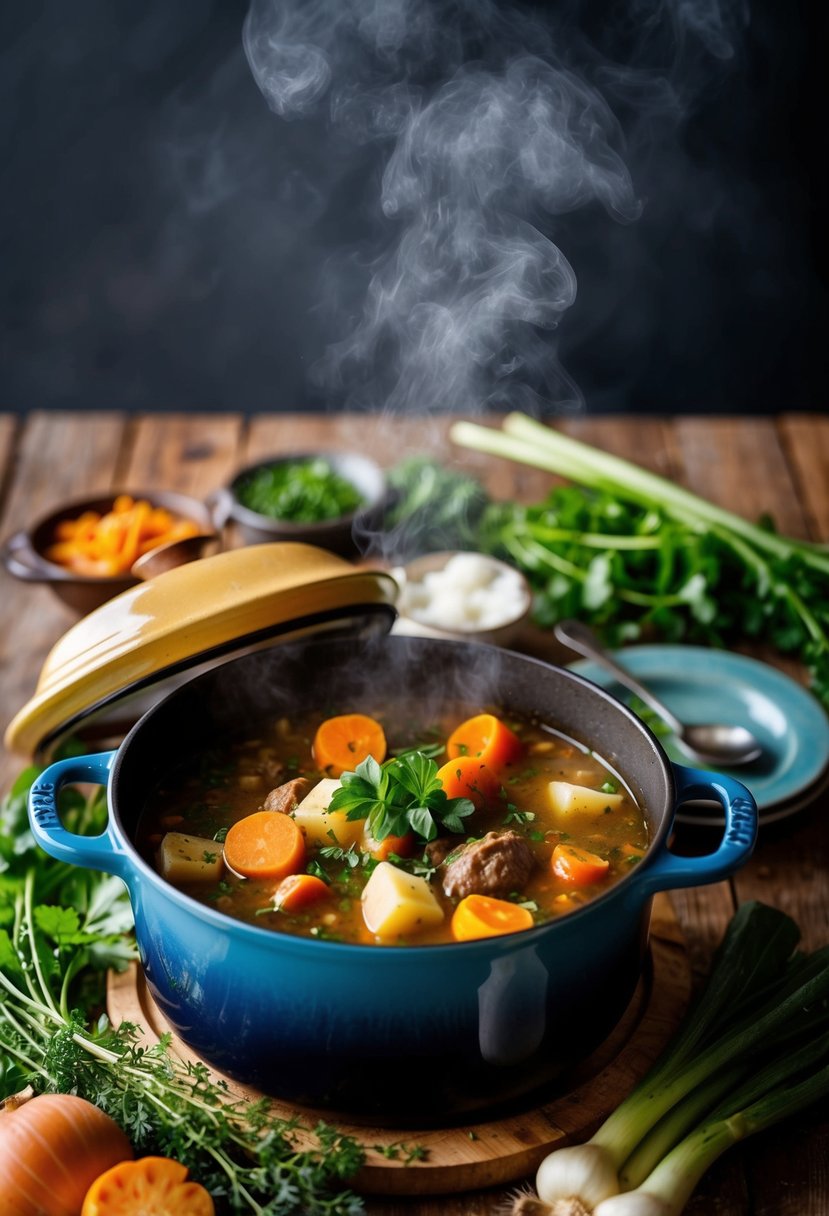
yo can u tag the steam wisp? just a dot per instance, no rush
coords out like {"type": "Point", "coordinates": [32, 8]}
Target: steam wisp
{"type": "Point", "coordinates": [495, 126]}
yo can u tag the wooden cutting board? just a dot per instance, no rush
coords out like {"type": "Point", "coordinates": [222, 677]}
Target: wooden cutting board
{"type": "Point", "coordinates": [474, 1155]}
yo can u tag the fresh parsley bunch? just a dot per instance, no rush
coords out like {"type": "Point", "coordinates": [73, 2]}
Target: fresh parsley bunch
{"type": "Point", "coordinates": [404, 794]}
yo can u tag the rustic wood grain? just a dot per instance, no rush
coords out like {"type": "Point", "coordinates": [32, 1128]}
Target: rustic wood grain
{"type": "Point", "coordinates": [192, 453]}
{"type": "Point", "coordinates": [805, 439]}
{"type": "Point", "coordinates": [749, 465]}
{"type": "Point", "coordinates": [740, 464]}
{"type": "Point", "coordinates": [60, 455]}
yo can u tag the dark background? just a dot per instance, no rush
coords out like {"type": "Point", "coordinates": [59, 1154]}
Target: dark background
{"type": "Point", "coordinates": [167, 240]}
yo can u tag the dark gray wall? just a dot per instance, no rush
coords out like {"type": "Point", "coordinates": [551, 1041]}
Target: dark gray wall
{"type": "Point", "coordinates": [170, 242]}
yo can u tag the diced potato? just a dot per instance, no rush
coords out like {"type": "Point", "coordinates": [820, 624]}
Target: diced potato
{"type": "Point", "coordinates": [397, 904]}
{"type": "Point", "coordinates": [323, 827]}
{"type": "Point", "coordinates": [568, 799]}
{"type": "Point", "coordinates": [184, 858]}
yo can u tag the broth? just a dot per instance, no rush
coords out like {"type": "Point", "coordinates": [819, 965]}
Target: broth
{"type": "Point", "coordinates": [223, 785]}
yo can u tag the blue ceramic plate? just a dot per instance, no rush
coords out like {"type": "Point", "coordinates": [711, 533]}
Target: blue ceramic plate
{"type": "Point", "coordinates": [706, 685]}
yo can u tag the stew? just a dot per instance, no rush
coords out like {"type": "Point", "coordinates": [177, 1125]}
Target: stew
{"type": "Point", "coordinates": [372, 828]}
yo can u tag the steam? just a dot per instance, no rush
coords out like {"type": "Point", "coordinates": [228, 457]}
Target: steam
{"type": "Point", "coordinates": [488, 146]}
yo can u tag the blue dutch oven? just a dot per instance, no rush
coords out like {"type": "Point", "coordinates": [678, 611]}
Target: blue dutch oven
{"type": "Point", "coordinates": [394, 1033]}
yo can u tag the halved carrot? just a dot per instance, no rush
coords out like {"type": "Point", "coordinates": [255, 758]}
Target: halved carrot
{"type": "Point", "coordinates": [265, 845]}
{"type": "Point", "coordinates": [299, 890]}
{"type": "Point", "coordinates": [486, 737]}
{"type": "Point", "coordinates": [343, 742]}
{"type": "Point", "coordinates": [151, 1186]}
{"type": "Point", "coordinates": [577, 866]}
{"type": "Point", "coordinates": [468, 777]}
{"type": "Point", "coordinates": [483, 916]}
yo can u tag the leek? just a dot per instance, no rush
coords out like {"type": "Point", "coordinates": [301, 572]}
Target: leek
{"type": "Point", "coordinates": [741, 1060]}
{"type": "Point", "coordinates": [532, 443]}
{"type": "Point", "coordinates": [774, 583]}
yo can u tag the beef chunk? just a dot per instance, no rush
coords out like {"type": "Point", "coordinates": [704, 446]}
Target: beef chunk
{"type": "Point", "coordinates": [285, 797]}
{"type": "Point", "coordinates": [438, 850]}
{"type": "Point", "coordinates": [498, 864]}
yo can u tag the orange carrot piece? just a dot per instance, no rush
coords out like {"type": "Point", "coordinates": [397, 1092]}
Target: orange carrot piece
{"type": "Point", "coordinates": [343, 742]}
{"type": "Point", "coordinates": [106, 545]}
{"type": "Point", "coordinates": [483, 916]}
{"type": "Point", "coordinates": [400, 846]}
{"type": "Point", "coordinates": [577, 866]}
{"type": "Point", "coordinates": [299, 890]}
{"type": "Point", "coordinates": [468, 777]}
{"type": "Point", "coordinates": [486, 737]}
{"type": "Point", "coordinates": [156, 1185]}
{"type": "Point", "coordinates": [265, 845]}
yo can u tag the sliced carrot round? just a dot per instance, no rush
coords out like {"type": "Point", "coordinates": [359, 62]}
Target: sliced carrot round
{"type": "Point", "coordinates": [486, 737]}
{"type": "Point", "coordinates": [153, 1186]}
{"type": "Point", "coordinates": [299, 890]}
{"type": "Point", "coordinates": [468, 777]}
{"type": "Point", "coordinates": [483, 916]}
{"type": "Point", "coordinates": [265, 845]}
{"type": "Point", "coordinates": [343, 742]}
{"type": "Point", "coordinates": [578, 866]}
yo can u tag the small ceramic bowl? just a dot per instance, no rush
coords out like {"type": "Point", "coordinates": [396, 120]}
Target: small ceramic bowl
{"type": "Point", "coordinates": [22, 554]}
{"type": "Point", "coordinates": [462, 596]}
{"type": "Point", "coordinates": [338, 535]}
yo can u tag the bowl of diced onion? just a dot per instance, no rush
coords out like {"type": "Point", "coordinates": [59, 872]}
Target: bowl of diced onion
{"type": "Point", "coordinates": [462, 595]}
{"type": "Point", "coordinates": [86, 550]}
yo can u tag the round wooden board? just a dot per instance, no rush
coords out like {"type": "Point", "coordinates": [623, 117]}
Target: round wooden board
{"type": "Point", "coordinates": [474, 1155]}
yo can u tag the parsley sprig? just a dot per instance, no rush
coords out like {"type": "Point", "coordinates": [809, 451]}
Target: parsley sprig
{"type": "Point", "coordinates": [404, 794]}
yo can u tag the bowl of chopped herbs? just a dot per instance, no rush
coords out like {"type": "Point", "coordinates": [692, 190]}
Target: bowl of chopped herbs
{"type": "Point", "coordinates": [320, 498]}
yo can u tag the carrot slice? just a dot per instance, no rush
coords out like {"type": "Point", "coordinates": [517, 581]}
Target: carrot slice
{"type": "Point", "coordinates": [577, 866]}
{"type": "Point", "coordinates": [486, 737]}
{"type": "Point", "coordinates": [483, 916]}
{"type": "Point", "coordinates": [265, 845]}
{"type": "Point", "coordinates": [299, 890]}
{"type": "Point", "coordinates": [343, 742]}
{"type": "Point", "coordinates": [468, 777]}
{"type": "Point", "coordinates": [151, 1186]}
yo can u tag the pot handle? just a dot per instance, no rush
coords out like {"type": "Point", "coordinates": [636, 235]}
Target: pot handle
{"type": "Point", "coordinates": [741, 823]}
{"type": "Point", "coordinates": [102, 852]}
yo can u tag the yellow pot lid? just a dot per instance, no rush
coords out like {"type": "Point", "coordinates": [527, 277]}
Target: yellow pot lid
{"type": "Point", "coordinates": [188, 616]}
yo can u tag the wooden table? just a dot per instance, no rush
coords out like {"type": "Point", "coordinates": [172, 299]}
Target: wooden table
{"type": "Point", "coordinates": [750, 465]}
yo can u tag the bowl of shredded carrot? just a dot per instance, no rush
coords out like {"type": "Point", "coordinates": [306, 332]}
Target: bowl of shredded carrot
{"type": "Point", "coordinates": [89, 550]}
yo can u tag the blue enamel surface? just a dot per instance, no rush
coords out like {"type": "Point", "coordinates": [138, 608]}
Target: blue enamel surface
{"type": "Point", "coordinates": [330, 1024]}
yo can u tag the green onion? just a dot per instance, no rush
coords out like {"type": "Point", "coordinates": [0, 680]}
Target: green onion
{"type": "Point", "coordinates": [743, 1059]}
{"type": "Point", "coordinates": [686, 565]}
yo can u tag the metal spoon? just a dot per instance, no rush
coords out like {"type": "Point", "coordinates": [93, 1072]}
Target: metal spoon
{"type": "Point", "coordinates": [710, 743]}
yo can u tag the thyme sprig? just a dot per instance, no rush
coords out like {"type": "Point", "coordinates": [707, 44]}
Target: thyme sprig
{"type": "Point", "coordinates": [60, 929]}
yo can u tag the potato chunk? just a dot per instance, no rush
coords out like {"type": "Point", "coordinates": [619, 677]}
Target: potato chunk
{"type": "Point", "coordinates": [323, 827]}
{"type": "Point", "coordinates": [397, 904]}
{"type": "Point", "coordinates": [568, 799]}
{"type": "Point", "coordinates": [184, 858]}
